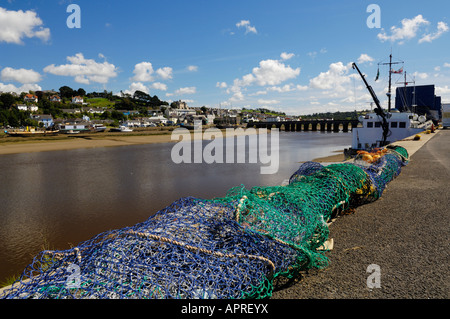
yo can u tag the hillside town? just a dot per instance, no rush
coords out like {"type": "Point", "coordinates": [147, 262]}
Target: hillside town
{"type": "Point", "coordinates": [75, 110]}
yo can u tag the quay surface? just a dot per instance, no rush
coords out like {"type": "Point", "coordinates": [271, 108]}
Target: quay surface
{"type": "Point", "coordinates": [405, 233]}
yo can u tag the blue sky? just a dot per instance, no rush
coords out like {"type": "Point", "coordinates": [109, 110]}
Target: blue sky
{"type": "Point", "coordinates": [289, 55]}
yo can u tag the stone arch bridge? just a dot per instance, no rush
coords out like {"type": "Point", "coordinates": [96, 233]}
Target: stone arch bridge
{"type": "Point", "coordinates": [308, 125]}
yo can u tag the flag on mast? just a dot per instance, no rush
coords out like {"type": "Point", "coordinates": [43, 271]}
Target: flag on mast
{"type": "Point", "coordinates": [398, 71]}
{"type": "Point", "coordinates": [378, 75]}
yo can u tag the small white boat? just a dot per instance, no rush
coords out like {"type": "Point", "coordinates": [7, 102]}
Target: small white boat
{"type": "Point", "coordinates": [71, 132]}
{"type": "Point", "coordinates": [121, 128]}
{"type": "Point", "coordinates": [98, 128]}
{"type": "Point", "coordinates": [125, 129]}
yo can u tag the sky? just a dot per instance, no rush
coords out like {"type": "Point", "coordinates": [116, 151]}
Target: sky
{"type": "Point", "coordinates": [292, 56]}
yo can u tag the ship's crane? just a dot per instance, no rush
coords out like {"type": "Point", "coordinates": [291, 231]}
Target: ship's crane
{"type": "Point", "coordinates": [379, 111]}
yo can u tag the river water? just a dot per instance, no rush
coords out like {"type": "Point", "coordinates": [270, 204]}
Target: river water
{"type": "Point", "coordinates": [55, 200]}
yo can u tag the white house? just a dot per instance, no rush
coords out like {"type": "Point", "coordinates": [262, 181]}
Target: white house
{"type": "Point", "coordinates": [24, 107]}
{"type": "Point", "coordinates": [74, 126]}
{"type": "Point", "coordinates": [158, 119]}
{"type": "Point", "coordinates": [132, 123]}
{"type": "Point", "coordinates": [77, 100]}
{"type": "Point", "coordinates": [179, 112]}
{"type": "Point", "coordinates": [93, 110]}
{"type": "Point", "coordinates": [55, 98]}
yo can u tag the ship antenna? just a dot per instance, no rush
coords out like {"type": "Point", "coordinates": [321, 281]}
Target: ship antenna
{"type": "Point", "coordinates": [390, 63]}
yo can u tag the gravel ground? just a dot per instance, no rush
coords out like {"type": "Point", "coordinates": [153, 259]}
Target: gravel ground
{"type": "Point", "coordinates": [405, 233]}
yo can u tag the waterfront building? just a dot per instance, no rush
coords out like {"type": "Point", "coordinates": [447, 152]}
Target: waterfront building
{"type": "Point", "coordinates": [45, 119]}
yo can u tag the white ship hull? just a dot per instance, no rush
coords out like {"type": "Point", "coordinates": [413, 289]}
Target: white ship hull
{"type": "Point", "coordinates": [401, 125]}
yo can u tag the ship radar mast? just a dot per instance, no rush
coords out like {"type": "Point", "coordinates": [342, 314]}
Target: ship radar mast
{"type": "Point", "coordinates": [391, 71]}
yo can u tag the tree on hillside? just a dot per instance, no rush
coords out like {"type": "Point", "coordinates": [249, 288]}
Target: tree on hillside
{"type": "Point", "coordinates": [67, 92]}
{"type": "Point", "coordinates": [81, 92]}
{"type": "Point", "coordinates": [141, 96]}
{"type": "Point", "coordinates": [145, 99]}
{"type": "Point", "coordinates": [7, 100]}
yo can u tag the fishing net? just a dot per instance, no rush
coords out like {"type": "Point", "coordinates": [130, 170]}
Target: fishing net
{"type": "Point", "coordinates": [230, 247]}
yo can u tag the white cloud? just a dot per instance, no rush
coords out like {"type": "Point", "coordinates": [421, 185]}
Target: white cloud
{"type": "Point", "coordinates": [165, 73]}
{"type": "Point", "coordinates": [159, 86]}
{"type": "Point", "coordinates": [447, 65]}
{"type": "Point", "coordinates": [301, 87]}
{"type": "Point", "coordinates": [238, 96]}
{"type": "Point", "coordinates": [313, 54]}
{"type": "Point", "coordinates": [138, 86]}
{"type": "Point", "coordinates": [286, 56]}
{"type": "Point", "coordinates": [364, 58]}
{"type": "Point", "coordinates": [186, 90]}
{"type": "Point", "coordinates": [262, 92]}
{"type": "Point", "coordinates": [407, 31]}
{"type": "Point", "coordinates": [268, 73]}
{"type": "Point", "coordinates": [442, 90]}
{"type": "Point", "coordinates": [287, 88]}
{"type": "Point", "coordinates": [262, 101]}
{"type": "Point", "coordinates": [23, 76]}
{"type": "Point", "coordinates": [221, 85]}
{"type": "Point", "coordinates": [9, 88]}
{"type": "Point", "coordinates": [246, 24]}
{"type": "Point", "coordinates": [420, 75]}
{"type": "Point", "coordinates": [84, 70]}
{"type": "Point", "coordinates": [16, 25]}
{"type": "Point", "coordinates": [273, 72]}
{"type": "Point", "coordinates": [334, 79]}
{"type": "Point", "coordinates": [192, 68]}
{"type": "Point", "coordinates": [441, 29]}
{"type": "Point", "coordinates": [143, 72]}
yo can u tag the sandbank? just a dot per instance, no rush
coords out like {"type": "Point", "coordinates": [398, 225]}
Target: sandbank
{"type": "Point", "coordinates": [16, 145]}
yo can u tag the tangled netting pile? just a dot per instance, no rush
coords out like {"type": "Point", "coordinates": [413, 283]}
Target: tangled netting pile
{"type": "Point", "coordinates": [230, 247]}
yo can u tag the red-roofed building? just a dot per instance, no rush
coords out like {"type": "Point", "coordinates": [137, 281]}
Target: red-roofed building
{"type": "Point", "coordinates": [30, 98]}
{"type": "Point", "coordinates": [77, 100]}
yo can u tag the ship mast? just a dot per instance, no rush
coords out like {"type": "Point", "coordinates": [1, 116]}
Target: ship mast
{"type": "Point", "coordinates": [390, 79]}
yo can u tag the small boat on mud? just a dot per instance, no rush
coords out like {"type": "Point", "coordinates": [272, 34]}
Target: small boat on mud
{"type": "Point", "coordinates": [121, 128]}
{"type": "Point", "coordinates": [31, 132]}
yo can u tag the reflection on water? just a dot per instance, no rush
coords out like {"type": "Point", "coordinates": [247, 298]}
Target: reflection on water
{"type": "Point", "coordinates": [52, 200]}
